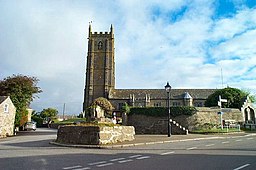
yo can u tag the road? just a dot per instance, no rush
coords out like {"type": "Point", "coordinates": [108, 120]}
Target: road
{"type": "Point", "coordinates": [32, 151]}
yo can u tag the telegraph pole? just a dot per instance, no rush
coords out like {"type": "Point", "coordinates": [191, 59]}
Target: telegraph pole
{"type": "Point", "coordinates": [64, 106]}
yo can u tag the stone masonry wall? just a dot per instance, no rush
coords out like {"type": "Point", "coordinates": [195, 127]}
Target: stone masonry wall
{"type": "Point", "coordinates": [7, 119]}
{"type": "Point", "coordinates": [154, 125]}
{"type": "Point", "coordinates": [94, 135]}
{"type": "Point", "coordinates": [158, 125]}
{"type": "Point", "coordinates": [209, 115]}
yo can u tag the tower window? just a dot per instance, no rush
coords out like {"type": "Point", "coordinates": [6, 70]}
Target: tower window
{"type": "Point", "coordinates": [100, 44]}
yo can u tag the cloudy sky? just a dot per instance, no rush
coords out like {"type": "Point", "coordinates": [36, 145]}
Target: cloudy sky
{"type": "Point", "coordinates": [190, 43]}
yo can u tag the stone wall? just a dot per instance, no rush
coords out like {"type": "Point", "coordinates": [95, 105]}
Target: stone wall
{"type": "Point", "coordinates": [7, 118]}
{"type": "Point", "coordinates": [154, 125]}
{"type": "Point", "coordinates": [209, 115]}
{"type": "Point", "coordinates": [94, 135]}
{"type": "Point", "coordinates": [158, 125]}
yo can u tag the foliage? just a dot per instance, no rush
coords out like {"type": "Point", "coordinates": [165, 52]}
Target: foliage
{"type": "Point", "coordinates": [99, 124]}
{"type": "Point", "coordinates": [104, 104]}
{"type": "Point", "coordinates": [37, 118]}
{"type": "Point", "coordinates": [48, 113]}
{"type": "Point", "coordinates": [21, 90]}
{"type": "Point", "coordinates": [234, 96]}
{"type": "Point", "coordinates": [251, 97]}
{"type": "Point", "coordinates": [163, 111]}
{"type": "Point", "coordinates": [125, 108]}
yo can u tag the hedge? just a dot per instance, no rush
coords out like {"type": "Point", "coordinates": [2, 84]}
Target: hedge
{"type": "Point", "coordinates": [163, 111]}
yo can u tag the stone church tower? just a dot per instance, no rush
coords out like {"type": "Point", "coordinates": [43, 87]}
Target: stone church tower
{"type": "Point", "coordinates": [100, 67]}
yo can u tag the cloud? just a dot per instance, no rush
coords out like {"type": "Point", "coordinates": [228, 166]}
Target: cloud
{"type": "Point", "coordinates": [183, 42]}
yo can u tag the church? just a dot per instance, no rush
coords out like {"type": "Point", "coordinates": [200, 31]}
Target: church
{"type": "Point", "coordinates": [100, 80]}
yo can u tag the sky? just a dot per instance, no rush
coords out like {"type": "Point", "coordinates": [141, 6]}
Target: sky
{"type": "Point", "coordinates": [190, 43]}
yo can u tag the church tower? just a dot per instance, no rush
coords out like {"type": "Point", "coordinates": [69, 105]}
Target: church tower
{"type": "Point", "coordinates": [100, 67]}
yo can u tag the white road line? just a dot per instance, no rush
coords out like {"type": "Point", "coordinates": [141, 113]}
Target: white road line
{"type": "Point", "coordinates": [117, 159]}
{"type": "Point", "coordinates": [167, 153]}
{"type": "Point", "coordinates": [134, 156]}
{"type": "Point", "coordinates": [249, 138]}
{"type": "Point", "coordinates": [72, 167]}
{"type": "Point", "coordinates": [85, 168]}
{"type": "Point", "coordinates": [210, 145]}
{"type": "Point", "coordinates": [241, 167]}
{"type": "Point", "coordinates": [191, 148]}
{"type": "Point", "coordinates": [143, 157]}
{"type": "Point", "coordinates": [124, 161]}
{"type": "Point", "coordinates": [102, 165]}
{"type": "Point", "coordinates": [96, 163]}
{"type": "Point", "coordinates": [239, 140]}
{"type": "Point", "coordinates": [225, 142]}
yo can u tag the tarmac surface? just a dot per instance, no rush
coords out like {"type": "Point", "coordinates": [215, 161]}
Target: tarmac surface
{"type": "Point", "coordinates": [156, 139]}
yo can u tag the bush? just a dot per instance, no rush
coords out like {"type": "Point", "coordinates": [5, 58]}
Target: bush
{"type": "Point", "coordinates": [38, 120]}
{"type": "Point", "coordinates": [163, 111]}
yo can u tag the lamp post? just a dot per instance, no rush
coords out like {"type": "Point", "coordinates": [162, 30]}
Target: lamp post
{"type": "Point", "coordinates": [168, 90]}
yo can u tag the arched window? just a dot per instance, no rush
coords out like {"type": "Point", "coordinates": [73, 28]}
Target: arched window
{"type": "Point", "coordinates": [100, 44]}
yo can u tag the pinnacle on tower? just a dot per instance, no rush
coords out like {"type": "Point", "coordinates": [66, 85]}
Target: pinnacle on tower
{"type": "Point", "coordinates": [90, 28]}
{"type": "Point", "coordinates": [111, 29]}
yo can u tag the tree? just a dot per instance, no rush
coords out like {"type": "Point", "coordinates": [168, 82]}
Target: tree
{"type": "Point", "coordinates": [37, 118]}
{"type": "Point", "coordinates": [125, 108]}
{"type": "Point", "coordinates": [104, 104]}
{"type": "Point", "coordinates": [234, 96]}
{"type": "Point", "coordinates": [49, 113]}
{"type": "Point", "coordinates": [22, 90]}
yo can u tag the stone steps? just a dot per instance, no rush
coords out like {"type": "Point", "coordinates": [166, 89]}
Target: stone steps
{"type": "Point", "coordinates": [177, 129]}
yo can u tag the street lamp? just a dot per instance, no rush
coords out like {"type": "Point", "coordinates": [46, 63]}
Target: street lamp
{"type": "Point", "coordinates": [168, 90]}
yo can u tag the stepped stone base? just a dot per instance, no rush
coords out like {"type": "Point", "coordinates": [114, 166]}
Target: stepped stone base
{"type": "Point", "coordinates": [94, 135]}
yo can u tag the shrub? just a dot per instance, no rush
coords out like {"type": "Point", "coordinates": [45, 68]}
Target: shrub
{"type": "Point", "coordinates": [163, 111]}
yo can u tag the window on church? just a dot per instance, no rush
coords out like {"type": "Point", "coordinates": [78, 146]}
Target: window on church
{"type": "Point", "coordinates": [100, 44]}
{"type": "Point", "coordinates": [120, 105]}
{"type": "Point", "coordinates": [199, 104]}
{"type": "Point", "coordinates": [176, 103]}
{"type": "Point", "coordinates": [157, 104]}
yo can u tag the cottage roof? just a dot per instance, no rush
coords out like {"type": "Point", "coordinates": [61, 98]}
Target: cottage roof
{"type": "Point", "coordinates": [159, 93]}
{"type": "Point", "coordinates": [3, 98]}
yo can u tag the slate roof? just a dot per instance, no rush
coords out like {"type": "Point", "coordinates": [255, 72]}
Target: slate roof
{"type": "Point", "coordinates": [3, 98]}
{"type": "Point", "coordinates": [159, 93]}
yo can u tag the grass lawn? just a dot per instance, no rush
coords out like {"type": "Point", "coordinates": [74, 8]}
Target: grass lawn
{"type": "Point", "coordinates": [70, 121]}
{"type": "Point", "coordinates": [214, 130]}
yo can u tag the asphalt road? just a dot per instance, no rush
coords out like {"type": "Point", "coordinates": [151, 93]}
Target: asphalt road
{"type": "Point", "coordinates": [32, 151]}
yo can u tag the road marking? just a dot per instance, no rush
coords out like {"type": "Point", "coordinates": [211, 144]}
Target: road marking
{"type": "Point", "coordinates": [143, 157]}
{"type": "Point", "coordinates": [72, 167]}
{"type": "Point", "coordinates": [96, 163]}
{"type": "Point", "coordinates": [102, 165]}
{"type": "Point", "coordinates": [249, 138]}
{"type": "Point", "coordinates": [210, 145]}
{"type": "Point", "coordinates": [117, 159]}
{"type": "Point", "coordinates": [167, 153]}
{"type": "Point", "coordinates": [239, 140]}
{"type": "Point", "coordinates": [124, 161]}
{"type": "Point", "coordinates": [225, 142]}
{"type": "Point", "coordinates": [134, 156]}
{"type": "Point", "coordinates": [241, 167]}
{"type": "Point", "coordinates": [191, 148]}
{"type": "Point", "coordinates": [85, 168]}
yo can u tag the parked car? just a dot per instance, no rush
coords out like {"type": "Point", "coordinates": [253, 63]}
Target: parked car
{"type": "Point", "coordinates": [30, 126]}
